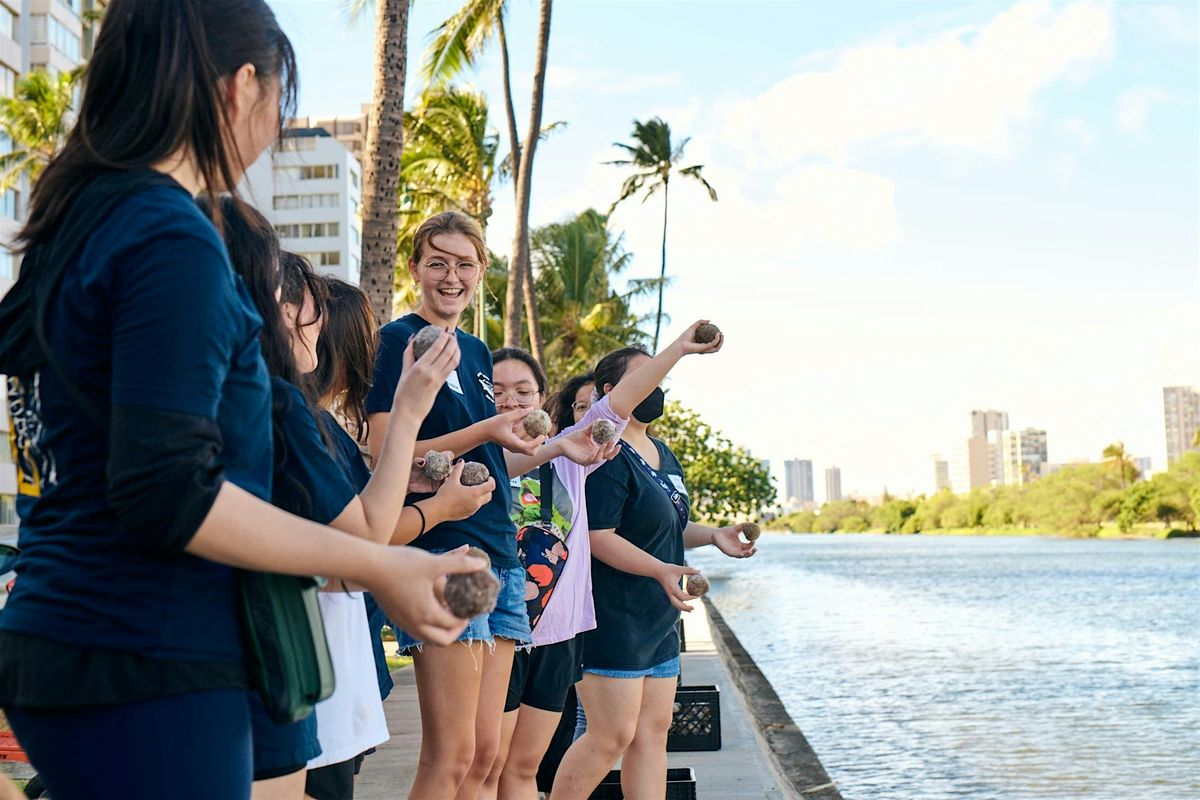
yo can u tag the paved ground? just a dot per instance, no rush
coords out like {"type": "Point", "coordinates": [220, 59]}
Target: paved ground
{"type": "Point", "coordinates": [740, 770]}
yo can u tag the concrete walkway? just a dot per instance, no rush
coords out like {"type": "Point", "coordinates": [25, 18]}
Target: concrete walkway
{"type": "Point", "coordinates": [741, 770]}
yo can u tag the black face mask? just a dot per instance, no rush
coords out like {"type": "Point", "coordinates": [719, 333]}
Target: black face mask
{"type": "Point", "coordinates": [651, 408]}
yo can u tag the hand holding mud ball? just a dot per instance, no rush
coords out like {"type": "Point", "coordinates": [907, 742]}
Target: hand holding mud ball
{"type": "Point", "coordinates": [470, 594]}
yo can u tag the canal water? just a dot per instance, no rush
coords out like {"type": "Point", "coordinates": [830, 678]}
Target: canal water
{"type": "Point", "coordinates": [931, 668]}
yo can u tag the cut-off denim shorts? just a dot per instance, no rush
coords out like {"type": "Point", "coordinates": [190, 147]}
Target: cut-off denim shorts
{"type": "Point", "coordinates": [667, 669]}
{"type": "Point", "coordinates": [509, 620]}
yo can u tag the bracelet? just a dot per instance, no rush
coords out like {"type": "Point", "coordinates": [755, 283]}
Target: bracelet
{"type": "Point", "coordinates": [422, 513]}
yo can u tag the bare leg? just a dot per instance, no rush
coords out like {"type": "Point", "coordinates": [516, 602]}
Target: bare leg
{"type": "Point", "coordinates": [448, 681]}
{"type": "Point", "coordinates": [493, 690]}
{"type": "Point", "coordinates": [612, 707]}
{"type": "Point", "coordinates": [535, 729]}
{"type": "Point", "coordinates": [285, 787]}
{"type": "Point", "coordinates": [492, 784]}
{"type": "Point", "coordinates": [644, 768]}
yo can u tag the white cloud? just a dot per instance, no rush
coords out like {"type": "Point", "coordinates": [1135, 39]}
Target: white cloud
{"type": "Point", "coordinates": [1076, 130]}
{"type": "Point", "coordinates": [965, 89]}
{"type": "Point", "coordinates": [1133, 107]}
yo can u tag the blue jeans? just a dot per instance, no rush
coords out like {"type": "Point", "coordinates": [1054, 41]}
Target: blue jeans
{"type": "Point", "coordinates": [667, 669]}
{"type": "Point", "coordinates": [509, 620]}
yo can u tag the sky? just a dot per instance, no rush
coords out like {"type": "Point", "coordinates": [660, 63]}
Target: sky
{"type": "Point", "coordinates": [924, 208]}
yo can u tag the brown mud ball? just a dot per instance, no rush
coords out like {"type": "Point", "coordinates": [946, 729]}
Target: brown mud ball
{"type": "Point", "coordinates": [706, 333]}
{"type": "Point", "coordinates": [474, 474]}
{"type": "Point", "coordinates": [751, 531]}
{"type": "Point", "coordinates": [603, 431]}
{"type": "Point", "coordinates": [437, 466]}
{"type": "Point", "coordinates": [473, 593]}
{"type": "Point", "coordinates": [537, 423]}
{"type": "Point", "coordinates": [697, 585]}
{"type": "Point", "coordinates": [425, 339]}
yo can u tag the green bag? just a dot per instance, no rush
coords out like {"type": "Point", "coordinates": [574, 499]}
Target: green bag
{"type": "Point", "coordinates": [287, 656]}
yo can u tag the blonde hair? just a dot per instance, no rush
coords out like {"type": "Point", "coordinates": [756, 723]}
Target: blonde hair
{"type": "Point", "coordinates": [450, 222]}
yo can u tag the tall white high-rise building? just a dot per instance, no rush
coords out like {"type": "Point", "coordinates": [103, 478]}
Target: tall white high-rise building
{"type": "Point", "coordinates": [941, 474]}
{"type": "Point", "coordinates": [980, 461]}
{"type": "Point", "coordinates": [984, 422]}
{"type": "Point", "coordinates": [1181, 413]}
{"type": "Point", "coordinates": [833, 484]}
{"type": "Point", "coordinates": [1023, 453]}
{"type": "Point", "coordinates": [798, 481]}
{"type": "Point", "coordinates": [310, 188]}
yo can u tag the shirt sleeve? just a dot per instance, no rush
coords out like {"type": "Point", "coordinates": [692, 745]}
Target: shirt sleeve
{"type": "Point", "coordinates": [607, 491]}
{"type": "Point", "coordinates": [601, 409]}
{"type": "Point", "coordinates": [176, 323]}
{"type": "Point", "coordinates": [389, 363]}
{"type": "Point", "coordinates": [309, 482]}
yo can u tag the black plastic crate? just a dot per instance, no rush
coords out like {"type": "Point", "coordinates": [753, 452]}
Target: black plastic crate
{"type": "Point", "coordinates": [681, 785]}
{"type": "Point", "coordinates": [696, 721]}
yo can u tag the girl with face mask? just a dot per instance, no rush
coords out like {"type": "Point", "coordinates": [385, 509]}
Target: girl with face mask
{"type": "Point", "coordinates": [638, 516]}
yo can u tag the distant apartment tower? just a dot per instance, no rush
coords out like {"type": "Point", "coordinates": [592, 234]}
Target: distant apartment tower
{"type": "Point", "coordinates": [1143, 466]}
{"type": "Point", "coordinates": [979, 461]}
{"type": "Point", "coordinates": [984, 422]}
{"type": "Point", "coordinates": [350, 131]}
{"type": "Point", "coordinates": [1181, 412]}
{"type": "Point", "coordinates": [1023, 453]}
{"type": "Point", "coordinates": [798, 481]}
{"type": "Point", "coordinates": [833, 484]}
{"type": "Point", "coordinates": [310, 187]}
{"type": "Point", "coordinates": [941, 474]}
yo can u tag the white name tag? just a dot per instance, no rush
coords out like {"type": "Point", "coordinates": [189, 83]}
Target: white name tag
{"type": "Point", "coordinates": [677, 482]}
{"type": "Point", "coordinates": [452, 382]}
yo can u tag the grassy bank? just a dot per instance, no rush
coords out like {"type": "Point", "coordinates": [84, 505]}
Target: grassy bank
{"type": "Point", "coordinates": [1147, 531]}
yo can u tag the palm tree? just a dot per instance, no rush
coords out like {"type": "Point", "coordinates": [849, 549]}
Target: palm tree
{"type": "Point", "coordinates": [457, 44]}
{"type": "Point", "coordinates": [655, 160]}
{"type": "Point", "coordinates": [449, 163]}
{"type": "Point", "coordinates": [37, 120]}
{"type": "Point", "coordinates": [1117, 454]}
{"type": "Point", "coordinates": [382, 153]}
{"type": "Point", "coordinates": [583, 316]}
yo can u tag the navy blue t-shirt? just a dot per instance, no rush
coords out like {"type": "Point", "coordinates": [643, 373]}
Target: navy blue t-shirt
{"type": "Point", "coordinates": [466, 398]}
{"type": "Point", "coordinates": [635, 621]}
{"type": "Point", "coordinates": [310, 480]}
{"type": "Point", "coordinates": [151, 315]}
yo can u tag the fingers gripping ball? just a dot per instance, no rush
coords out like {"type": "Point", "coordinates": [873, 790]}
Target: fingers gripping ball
{"type": "Point", "coordinates": [473, 593]}
{"type": "Point", "coordinates": [437, 466]}
{"type": "Point", "coordinates": [474, 474]}
{"type": "Point", "coordinates": [425, 339]}
{"type": "Point", "coordinates": [697, 585]}
{"type": "Point", "coordinates": [751, 531]}
{"type": "Point", "coordinates": [706, 333]}
{"type": "Point", "coordinates": [537, 423]}
{"type": "Point", "coordinates": [603, 431]}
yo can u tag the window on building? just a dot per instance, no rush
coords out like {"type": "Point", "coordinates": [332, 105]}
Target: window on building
{"type": "Point", "coordinates": [327, 258]}
{"type": "Point", "coordinates": [8, 84]}
{"type": "Point", "coordinates": [355, 236]}
{"type": "Point", "coordinates": [9, 22]}
{"type": "Point", "coordinates": [8, 510]}
{"type": "Point", "coordinates": [293, 201]}
{"type": "Point", "coordinates": [318, 172]}
{"type": "Point", "coordinates": [10, 204]}
{"type": "Point", "coordinates": [8, 270]}
{"type": "Point", "coordinates": [75, 6]}
{"type": "Point", "coordinates": [354, 179]}
{"type": "Point", "coordinates": [294, 143]}
{"type": "Point", "coordinates": [48, 30]}
{"type": "Point", "coordinates": [307, 230]}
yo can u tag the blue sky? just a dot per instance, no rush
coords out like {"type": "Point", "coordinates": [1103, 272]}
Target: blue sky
{"type": "Point", "coordinates": [924, 207]}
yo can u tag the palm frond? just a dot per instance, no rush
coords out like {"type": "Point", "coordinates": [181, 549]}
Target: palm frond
{"type": "Point", "coordinates": [458, 42]}
{"type": "Point", "coordinates": [694, 172]}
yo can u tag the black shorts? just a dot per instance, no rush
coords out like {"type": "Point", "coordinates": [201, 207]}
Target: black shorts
{"type": "Point", "coordinates": [542, 676]}
{"type": "Point", "coordinates": [334, 781]}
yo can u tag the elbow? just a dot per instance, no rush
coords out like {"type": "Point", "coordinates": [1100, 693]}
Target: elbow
{"type": "Point", "coordinates": [163, 474]}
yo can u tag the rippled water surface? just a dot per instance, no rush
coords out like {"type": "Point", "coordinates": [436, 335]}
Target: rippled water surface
{"type": "Point", "coordinates": [923, 668]}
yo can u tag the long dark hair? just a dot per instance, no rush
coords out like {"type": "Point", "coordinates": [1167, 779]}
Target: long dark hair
{"type": "Point", "coordinates": [346, 353]}
{"type": "Point", "coordinates": [297, 278]}
{"type": "Point", "coordinates": [526, 358]}
{"type": "Point", "coordinates": [254, 252]}
{"type": "Point", "coordinates": [154, 87]}
{"type": "Point", "coordinates": [612, 367]}
{"type": "Point", "coordinates": [561, 406]}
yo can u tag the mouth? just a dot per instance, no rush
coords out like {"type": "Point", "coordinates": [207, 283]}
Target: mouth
{"type": "Point", "coordinates": [451, 293]}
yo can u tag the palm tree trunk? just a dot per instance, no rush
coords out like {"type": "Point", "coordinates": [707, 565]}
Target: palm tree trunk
{"type": "Point", "coordinates": [514, 143]}
{"type": "Point", "coordinates": [512, 322]}
{"type": "Point", "coordinates": [662, 275]}
{"type": "Point", "coordinates": [381, 165]}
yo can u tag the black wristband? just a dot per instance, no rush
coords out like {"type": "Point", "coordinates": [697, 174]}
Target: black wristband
{"type": "Point", "coordinates": [422, 513]}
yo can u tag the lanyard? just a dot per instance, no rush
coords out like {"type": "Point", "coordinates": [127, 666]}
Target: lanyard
{"type": "Point", "coordinates": [676, 497]}
{"type": "Point", "coordinates": [546, 479]}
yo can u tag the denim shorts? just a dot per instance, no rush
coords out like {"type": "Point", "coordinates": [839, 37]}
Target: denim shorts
{"type": "Point", "coordinates": [667, 669]}
{"type": "Point", "coordinates": [509, 620]}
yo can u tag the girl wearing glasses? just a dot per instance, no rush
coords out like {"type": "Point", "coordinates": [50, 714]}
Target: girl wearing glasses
{"type": "Point", "coordinates": [462, 688]}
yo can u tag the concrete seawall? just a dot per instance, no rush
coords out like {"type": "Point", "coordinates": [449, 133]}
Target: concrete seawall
{"type": "Point", "coordinates": [792, 756]}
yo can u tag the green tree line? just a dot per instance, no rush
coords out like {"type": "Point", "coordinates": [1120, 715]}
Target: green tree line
{"type": "Point", "coordinates": [1078, 500]}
